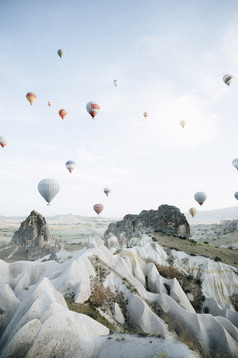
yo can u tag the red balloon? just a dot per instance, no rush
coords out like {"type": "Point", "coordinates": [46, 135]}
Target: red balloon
{"type": "Point", "coordinates": [62, 113]}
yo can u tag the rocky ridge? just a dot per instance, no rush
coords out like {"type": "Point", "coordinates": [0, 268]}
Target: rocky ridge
{"type": "Point", "coordinates": [35, 236]}
{"type": "Point", "coordinates": [167, 219]}
{"type": "Point", "coordinates": [131, 289]}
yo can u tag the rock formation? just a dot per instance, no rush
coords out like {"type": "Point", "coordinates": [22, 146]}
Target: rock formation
{"type": "Point", "coordinates": [131, 290]}
{"type": "Point", "coordinates": [167, 219]}
{"type": "Point", "coordinates": [35, 236]}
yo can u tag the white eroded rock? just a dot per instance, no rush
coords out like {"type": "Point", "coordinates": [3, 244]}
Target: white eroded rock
{"type": "Point", "coordinates": [112, 242]}
{"type": "Point", "coordinates": [122, 241]}
{"type": "Point", "coordinates": [219, 281]}
{"type": "Point", "coordinates": [144, 319]}
{"type": "Point", "coordinates": [74, 343]}
{"type": "Point", "coordinates": [95, 241]}
{"type": "Point", "coordinates": [8, 305]}
{"type": "Point", "coordinates": [34, 306]}
{"type": "Point", "coordinates": [118, 313]}
{"type": "Point", "coordinates": [203, 327]}
{"type": "Point", "coordinates": [20, 343]}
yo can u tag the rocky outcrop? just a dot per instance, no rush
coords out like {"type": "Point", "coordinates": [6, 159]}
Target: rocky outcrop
{"type": "Point", "coordinates": [35, 236]}
{"type": "Point", "coordinates": [167, 219]}
{"type": "Point", "coordinates": [131, 289]}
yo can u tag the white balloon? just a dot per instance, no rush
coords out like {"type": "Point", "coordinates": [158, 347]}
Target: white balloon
{"type": "Point", "coordinates": [48, 188]}
{"type": "Point", "coordinates": [200, 197]}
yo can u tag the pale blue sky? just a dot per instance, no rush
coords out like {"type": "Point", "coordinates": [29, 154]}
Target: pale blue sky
{"type": "Point", "coordinates": [169, 58]}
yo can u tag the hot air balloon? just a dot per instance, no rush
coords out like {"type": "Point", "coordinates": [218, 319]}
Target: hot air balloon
{"type": "Point", "coordinates": [235, 163]}
{"type": "Point", "coordinates": [61, 53]}
{"type": "Point", "coordinates": [49, 104]}
{"type": "Point", "coordinates": [115, 82]}
{"type": "Point", "coordinates": [48, 188]}
{"type": "Point", "coordinates": [62, 113]}
{"type": "Point", "coordinates": [70, 165]}
{"type": "Point", "coordinates": [192, 211]}
{"type": "Point", "coordinates": [98, 208]}
{"type": "Point", "coordinates": [107, 191]}
{"type": "Point", "coordinates": [92, 108]}
{"type": "Point", "coordinates": [200, 197]}
{"type": "Point", "coordinates": [31, 97]}
{"type": "Point", "coordinates": [236, 195]}
{"type": "Point", "coordinates": [3, 141]}
{"type": "Point", "coordinates": [227, 79]}
{"type": "Point", "coordinates": [145, 114]}
{"type": "Point", "coordinates": [182, 123]}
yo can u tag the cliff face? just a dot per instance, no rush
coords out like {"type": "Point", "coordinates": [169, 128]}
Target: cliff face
{"type": "Point", "coordinates": [167, 219]}
{"type": "Point", "coordinates": [35, 236]}
{"type": "Point", "coordinates": [33, 231]}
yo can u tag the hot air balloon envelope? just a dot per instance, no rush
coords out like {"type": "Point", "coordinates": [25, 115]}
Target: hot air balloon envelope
{"type": "Point", "coordinates": [235, 163]}
{"type": "Point", "coordinates": [236, 195]}
{"type": "Point", "coordinates": [145, 114]}
{"type": "Point", "coordinates": [70, 165]}
{"type": "Point", "coordinates": [227, 79]}
{"type": "Point", "coordinates": [192, 211]}
{"type": "Point", "coordinates": [92, 108]}
{"type": "Point", "coordinates": [182, 123]}
{"type": "Point", "coordinates": [107, 191]}
{"type": "Point", "coordinates": [49, 104]}
{"type": "Point", "coordinates": [31, 97]}
{"type": "Point", "coordinates": [98, 208]}
{"type": "Point", "coordinates": [3, 141]}
{"type": "Point", "coordinates": [200, 197]}
{"type": "Point", "coordinates": [61, 53]}
{"type": "Point", "coordinates": [62, 113]}
{"type": "Point", "coordinates": [115, 82]}
{"type": "Point", "coordinates": [48, 188]}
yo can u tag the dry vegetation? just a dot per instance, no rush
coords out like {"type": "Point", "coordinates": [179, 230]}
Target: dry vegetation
{"type": "Point", "coordinates": [227, 256]}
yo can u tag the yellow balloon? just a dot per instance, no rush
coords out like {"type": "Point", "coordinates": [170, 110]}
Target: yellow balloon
{"type": "Point", "coordinates": [182, 123]}
{"type": "Point", "coordinates": [192, 211]}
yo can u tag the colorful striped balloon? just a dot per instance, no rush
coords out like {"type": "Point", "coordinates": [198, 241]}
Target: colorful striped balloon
{"type": "Point", "coordinates": [62, 113]}
{"type": "Point", "coordinates": [236, 195]}
{"type": "Point", "coordinates": [227, 79]}
{"type": "Point", "coordinates": [98, 208]}
{"type": "Point", "coordinates": [31, 97]}
{"type": "Point", "coordinates": [92, 108]}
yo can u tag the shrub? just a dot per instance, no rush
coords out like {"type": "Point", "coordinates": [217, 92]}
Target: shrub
{"type": "Point", "coordinates": [143, 334]}
{"type": "Point", "coordinates": [234, 301]}
{"type": "Point", "coordinates": [98, 295]}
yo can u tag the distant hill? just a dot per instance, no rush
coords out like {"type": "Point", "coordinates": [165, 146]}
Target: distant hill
{"type": "Point", "coordinates": [202, 217]}
{"type": "Point", "coordinates": [213, 216]}
{"type": "Point", "coordinates": [61, 219]}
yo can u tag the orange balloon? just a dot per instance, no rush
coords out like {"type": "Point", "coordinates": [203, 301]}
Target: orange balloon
{"type": "Point", "coordinates": [62, 113]}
